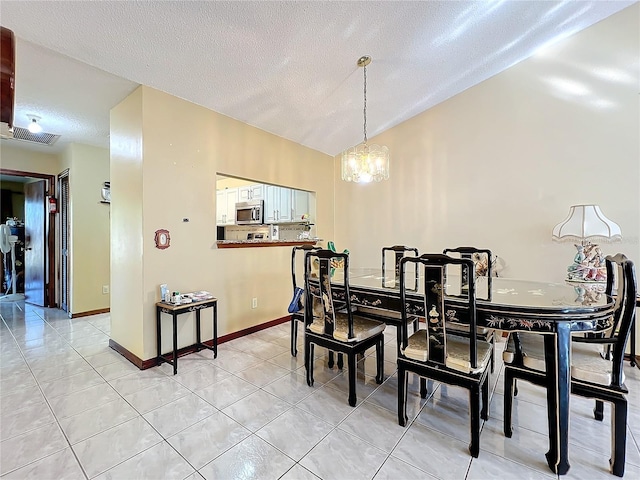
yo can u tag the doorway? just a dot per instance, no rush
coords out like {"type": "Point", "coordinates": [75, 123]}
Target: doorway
{"type": "Point", "coordinates": [39, 258]}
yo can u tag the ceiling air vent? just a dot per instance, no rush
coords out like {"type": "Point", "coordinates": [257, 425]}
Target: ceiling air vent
{"type": "Point", "coordinates": [42, 138]}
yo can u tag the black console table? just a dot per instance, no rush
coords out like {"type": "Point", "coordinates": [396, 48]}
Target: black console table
{"type": "Point", "coordinates": [174, 311]}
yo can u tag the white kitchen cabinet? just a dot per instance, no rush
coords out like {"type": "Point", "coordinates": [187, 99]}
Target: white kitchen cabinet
{"type": "Point", "coordinates": [220, 210]}
{"type": "Point", "coordinates": [300, 204]}
{"type": "Point", "coordinates": [232, 199]}
{"type": "Point", "coordinates": [278, 204]}
{"type": "Point", "coordinates": [285, 210]}
{"type": "Point", "coordinates": [226, 206]}
{"type": "Point", "coordinates": [270, 203]}
{"type": "Point", "coordinates": [251, 192]}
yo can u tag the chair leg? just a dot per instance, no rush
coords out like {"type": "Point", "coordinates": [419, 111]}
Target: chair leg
{"type": "Point", "coordinates": [423, 387]}
{"type": "Point", "coordinates": [294, 337]}
{"type": "Point", "coordinates": [308, 361]}
{"type": "Point", "coordinates": [485, 399]}
{"type": "Point", "coordinates": [380, 361]}
{"type": "Point", "coordinates": [619, 434]}
{"type": "Point", "coordinates": [509, 387]}
{"type": "Point", "coordinates": [331, 362]}
{"type": "Point", "coordinates": [474, 400]}
{"type": "Point", "coordinates": [493, 353]}
{"type": "Point", "coordinates": [598, 411]}
{"type": "Point", "coordinates": [402, 396]}
{"type": "Point", "coordinates": [351, 359]}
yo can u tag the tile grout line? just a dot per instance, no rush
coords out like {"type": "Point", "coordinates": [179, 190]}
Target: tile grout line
{"type": "Point", "coordinates": [54, 416]}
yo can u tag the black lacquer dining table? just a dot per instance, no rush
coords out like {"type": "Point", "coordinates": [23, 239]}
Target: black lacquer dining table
{"type": "Point", "coordinates": [553, 309]}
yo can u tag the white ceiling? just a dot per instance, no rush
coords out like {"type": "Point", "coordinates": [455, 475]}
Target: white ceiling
{"type": "Point", "coordinates": [286, 67]}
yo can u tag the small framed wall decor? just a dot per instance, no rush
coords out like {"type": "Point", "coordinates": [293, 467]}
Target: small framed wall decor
{"type": "Point", "coordinates": [162, 239]}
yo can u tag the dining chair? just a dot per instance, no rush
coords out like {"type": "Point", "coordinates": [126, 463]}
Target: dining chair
{"type": "Point", "coordinates": [387, 316]}
{"type": "Point", "coordinates": [598, 411]}
{"type": "Point", "coordinates": [332, 323]}
{"type": "Point", "coordinates": [597, 363]}
{"type": "Point", "coordinates": [298, 315]}
{"type": "Point", "coordinates": [434, 353]}
{"type": "Point", "coordinates": [483, 265]}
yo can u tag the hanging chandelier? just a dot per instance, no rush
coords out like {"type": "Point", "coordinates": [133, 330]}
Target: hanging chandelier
{"type": "Point", "coordinates": [365, 163]}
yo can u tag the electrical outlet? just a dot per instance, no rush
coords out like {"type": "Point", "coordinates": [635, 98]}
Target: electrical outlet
{"type": "Point", "coordinates": [105, 289]}
{"type": "Point", "coordinates": [254, 303]}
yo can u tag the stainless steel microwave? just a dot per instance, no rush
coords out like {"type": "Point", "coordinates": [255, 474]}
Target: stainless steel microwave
{"type": "Point", "coordinates": [249, 213]}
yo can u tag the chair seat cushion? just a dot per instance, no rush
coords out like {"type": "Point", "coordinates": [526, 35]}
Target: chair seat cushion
{"type": "Point", "coordinates": [587, 359]}
{"type": "Point", "coordinates": [457, 352]}
{"type": "Point", "coordinates": [589, 364]}
{"type": "Point", "coordinates": [532, 351]}
{"type": "Point", "coordinates": [363, 328]}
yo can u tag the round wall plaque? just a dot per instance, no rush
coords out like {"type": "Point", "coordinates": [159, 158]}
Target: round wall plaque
{"type": "Point", "coordinates": [162, 239]}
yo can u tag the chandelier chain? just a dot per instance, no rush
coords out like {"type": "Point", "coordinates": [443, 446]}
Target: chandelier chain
{"type": "Point", "coordinates": [365, 104]}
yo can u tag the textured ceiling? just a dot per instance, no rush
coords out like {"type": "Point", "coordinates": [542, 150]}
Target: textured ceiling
{"type": "Point", "coordinates": [286, 67]}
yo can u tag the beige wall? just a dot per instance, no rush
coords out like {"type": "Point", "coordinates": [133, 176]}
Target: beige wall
{"type": "Point", "coordinates": [21, 159]}
{"type": "Point", "coordinates": [163, 169]}
{"type": "Point", "coordinates": [499, 165]}
{"type": "Point", "coordinates": [89, 235]}
{"type": "Point", "coordinates": [126, 225]}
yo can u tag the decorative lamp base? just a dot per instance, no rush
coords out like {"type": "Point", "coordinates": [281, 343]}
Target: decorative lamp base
{"type": "Point", "coordinates": [588, 265]}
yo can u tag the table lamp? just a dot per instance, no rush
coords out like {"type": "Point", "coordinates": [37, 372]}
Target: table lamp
{"type": "Point", "coordinates": [585, 224]}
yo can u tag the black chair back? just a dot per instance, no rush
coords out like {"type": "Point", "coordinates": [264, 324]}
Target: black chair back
{"type": "Point", "coordinates": [483, 264]}
{"type": "Point", "coordinates": [319, 290]}
{"type": "Point", "coordinates": [619, 282]}
{"type": "Point", "coordinates": [616, 282]}
{"type": "Point", "coordinates": [399, 252]}
{"type": "Point", "coordinates": [294, 251]}
{"type": "Point", "coordinates": [625, 309]}
{"type": "Point", "coordinates": [432, 270]}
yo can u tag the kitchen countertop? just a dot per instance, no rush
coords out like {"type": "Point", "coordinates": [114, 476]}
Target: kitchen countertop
{"type": "Point", "coordinates": [265, 243]}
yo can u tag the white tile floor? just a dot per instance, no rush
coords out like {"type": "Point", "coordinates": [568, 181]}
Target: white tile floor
{"type": "Point", "coordinates": [70, 408]}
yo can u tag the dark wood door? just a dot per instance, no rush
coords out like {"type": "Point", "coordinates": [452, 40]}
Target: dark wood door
{"type": "Point", "coordinates": [35, 252]}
